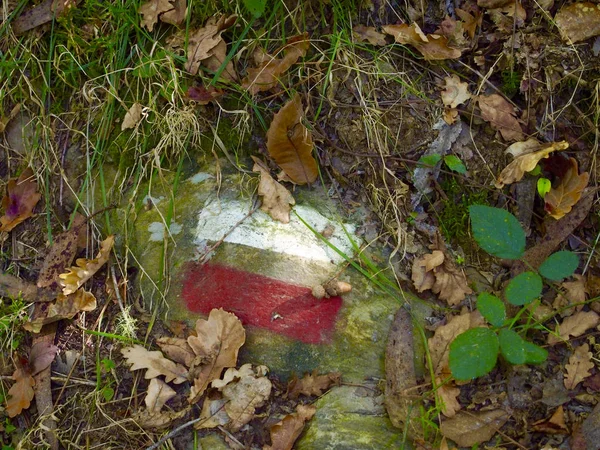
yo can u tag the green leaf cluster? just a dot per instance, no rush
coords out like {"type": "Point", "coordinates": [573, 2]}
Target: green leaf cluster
{"type": "Point", "coordinates": [475, 352]}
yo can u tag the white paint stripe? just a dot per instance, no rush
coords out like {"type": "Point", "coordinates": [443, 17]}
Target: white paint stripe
{"type": "Point", "coordinates": [260, 231]}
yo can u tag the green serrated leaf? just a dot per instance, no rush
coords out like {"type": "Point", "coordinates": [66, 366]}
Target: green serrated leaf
{"type": "Point", "coordinates": [492, 308]}
{"type": "Point", "coordinates": [524, 288]}
{"type": "Point", "coordinates": [473, 353]}
{"type": "Point", "coordinates": [535, 353]}
{"type": "Point", "coordinates": [497, 231]}
{"type": "Point", "coordinates": [256, 7]}
{"type": "Point", "coordinates": [512, 346]}
{"type": "Point", "coordinates": [454, 163]}
{"type": "Point", "coordinates": [429, 160]}
{"type": "Point", "coordinates": [543, 186]}
{"type": "Point", "coordinates": [559, 265]}
{"type": "Point", "coordinates": [108, 393]}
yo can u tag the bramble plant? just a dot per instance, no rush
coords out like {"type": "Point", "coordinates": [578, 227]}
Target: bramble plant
{"type": "Point", "coordinates": [474, 353]}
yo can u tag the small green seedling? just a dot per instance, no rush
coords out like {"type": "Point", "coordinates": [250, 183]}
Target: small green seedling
{"type": "Point", "coordinates": [452, 162]}
{"type": "Point", "coordinates": [474, 353]}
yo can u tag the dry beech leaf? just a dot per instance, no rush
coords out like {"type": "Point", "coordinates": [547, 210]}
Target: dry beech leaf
{"type": "Point", "coordinates": [21, 198]}
{"type": "Point", "coordinates": [155, 363]}
{"type": "Point", "coordinates": [215, 60]}
{"type": "Point", "coordinates": [570, 293]}
{"type": "Point", "coordinates": [202, 44]}
{"type": "Point", "coordinates": [501, 115]}
{"type": "Point", "coordinates": [471, 428]}
{"type": "Point", "coordinates": [455, 92]}
{"type": "Point", "coordinates": [158, 394]}
{"type": "Point", "coordinates": [439, 344]}
{"type": "Point", "coordinates": [86, 268]}
{"type": "Point", "coordinates": [574, 326]}
{"type": "Point", "coordinates": [219, 340]}
{"type": "Point", "coordinates": [580, 364]}
{"type": "Point", "coordinates": [267, 75]}
{"type": "Point", "coordinates": [61, 254]}
{"type": "Point", "coordinates": [175, 16]}
{"type": "Point", "coordinates": [21, 393]}
{"type": "Point", "coordinates": [447, 394]}
{"type": "Point", "coordinates": [369, 34]}
{"type": "Point", "coordinates": [242, 391]}
{"type": "Point", "coordinates": [276, 199]}
{"type": "Point", "coordinates": [151, 10]}
{"type": "Point", "coordinates": [561, 199]}
{"type": "Point", "coordinates": [285, 432]}
{"type": "Point", "coordinates": [290, 143]}
{"type": "Point", "coordinates": [177, 349]}
{"type": "Point", "coordinates": [440, 274]}
{"type": "Point", "coordinates": [132, 117]}
{"type": "Point", "coordinates": [578, 21]}
{"type": "Point", "coordinates": [431, 46]}
{"type": "Point", "coordinates": [526, 162]}
{"type": "Point", "coordinates": [64, 307]}
{"type": "Point", "coordinates": [312, 384]}
{"type": "Point", "coordinates": [554, 425]}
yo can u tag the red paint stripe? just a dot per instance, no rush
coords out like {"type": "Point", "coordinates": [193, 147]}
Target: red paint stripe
{"type": "Point", "coordinates": [256, 299]}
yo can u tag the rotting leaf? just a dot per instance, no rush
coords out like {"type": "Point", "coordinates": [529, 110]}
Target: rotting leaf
{"type": "Point", "coordinates": [574, 326]}
{"type": "Point", "coordinates": [554, 425]}
{"type": "Point", "coordinates": [155, 363]}
{"type": "Point", "coordinates": [158, 394]}
{"type": "Point", "coordinates": [501, 115]}
{"type": "Point", "coordinates": [21, 198]}
{"type": "Point", "coordinates": [526, 162]}
{"type": "Point", "coordinates": [86, 268]}
{"type": "Point", "coordinates": [21, 393]}
{"type": "Point", "coordinates": [64, 307]}
{"type": "Point", "coordinates": [219, 340]}
{"type": "Point", "coordinates": [578, 21]}
{"type": "Point", "coordinates": [312, 384]}
{"type": "Point", "coordinates": [41, 356]}
{"type": "Point", "coordinates": [277, 201]}
{"type": "Point", "coordinates": [267, 75]}
{"type": "Point", "coordinates": [243, 391]}
{"type": "Point", "coordinates": [290, 143]}
{"type": "Point", "coordinates": [132, 117]}
{"type": "Point", "coordinates": [580, 364]}
{"type": "Point", "coordinates": [471, 428]}
{"type": "Point", "coordinates": [431, 46]}
{"type": "Point", "coordinates": [560, 200]}
{"type": "Point", "coordinates": [285, 432]}
{"type": "Point", "coordinates": [455, 92]}
{"type": "Point", "coordinates": [203, 43]}
{"type": "Point", "coordinates": [202, 95]}
{"type": "Point", "coordinates": [363, 33]}
{"type": "Point", "coordinates": [5, 119]}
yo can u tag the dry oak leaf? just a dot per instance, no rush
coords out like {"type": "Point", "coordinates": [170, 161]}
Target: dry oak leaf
{"type": "Point", "coordinates": [570, 293]}
{"type": "Point", "coordinates": [64, 307]}
{"type": "Point", "coordinates": [86, 268]}
{"type": "Point", "coordinates": [455, 92]}
{"type": "Point", "coordinates": [158, 394]}
{"type": "Point", "coordinates": [439, 344]}
{"type": "Point", "coordinates": [526, 162]}
{"type": "Point", "coordinates": [471, 428]}
{"type": "Point", "coordinates": [155, 363]}
{"type": "Point", "coordinates": [574, 326]}
{"type": "Point", "coordinates": [218, 339]}
{"type": "Point", "coordinates": [151, 10]}
{"type": "Point", "coordinates": [132, 117]}
{"type": "Point", "coordinates": [243, 391]}
{"type": "Point", "coordinates": [267, 75]}
{"type": "Point", "coordinates": [312, 384]}
{"type": "Point", "coordinates": [285, 432]}
{"type": "Point", "coordinates": [501, 115]}
{"type": "Point", "coordinates": [21, 198]}
{"type": "Point", "coordinates": [580, 364]}
{"type": "Point", "coordinates": [369, 34]}
{"type": "Point", "coordinates": [431, 46]}
{"type": "Point", "coordinates": [447, 394]}
{"type": "Point", "coordinates": [21, 393]}
{"type": "Point", "coordinates": [578, 21]}
{"type": "Point", "coordinates": [290, 143]}
{"type": "Point", "coordinates": [177, 349]}
{"type": "Point", "coordinates": [277, 201]}
{"type": "Point", "coordinates": [202, 44]}
{"type": "Point", "coordinates": [561, 199]}
{"type": "Point", "coordinates": [157, 420]}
